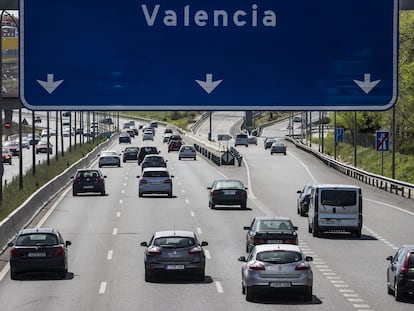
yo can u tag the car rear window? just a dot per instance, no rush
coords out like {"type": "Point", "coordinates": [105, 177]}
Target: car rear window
{"type": "Point", "coordinates": [229, 184]}
{"type": "Point", "coordinates": [337, 197]}
{"type": "Point", "coordinates": [279, 256]}
{"type": "Point", "coordinates": [270, 225]}
{"type": "Point", "coordinates": [175, 242]}
{"type": "Point", "coordinates": [36, 239]}
{"type": "Point", "coordinates": [87, 174]}
{"type": "Point", "coordinates": [156, 174]}
{"type": "Point", "coordinates": [241, 136]}
{"type": "Point", "coordinates": [411, 261]}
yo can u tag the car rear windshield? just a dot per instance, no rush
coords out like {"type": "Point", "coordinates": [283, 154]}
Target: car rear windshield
{"type": "Point", "coordinates": [87, 174]}
{"type": "Point", "coordinates": [156, 174]}
{"type": "Point", "coordinates": [274, 225]}
{"type": "Point", "coordinates": [279, 256]}
{"type": "Point", "coordinates": [241, 136]}
{"type": "Point", "coordinates": [174, 242]}
{"type": "Point", "coordinates": [411, 261]}
{"type": "Point", "coordinates": [36, 239]}
{"type": "Point", "coordinates": [229, 184]}
{"type": "Point", "coordinates": [337, 197]}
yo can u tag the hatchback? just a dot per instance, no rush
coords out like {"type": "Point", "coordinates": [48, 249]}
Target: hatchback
{"type": "Point", "coordinates": [130, 153]}
{"type": "Point", "coordinates": [276, 268]}
{"type": "Point", "coordinates": [109, 158]}
{"type": "Point", "coordinates": [227, 192]}
{"type": "Point", "coordinates": [148, 135]}
{"type": "Point", "coordinates": [278, 147]}
{"type": "Point", "coordinates": [155, 180]}
{"type": "Point", "coordinates": [143, 151]}
{"type": "Point", "coordinates": [38, 250]}
{"type": "Point", "coordinates": [124, 138]}
{"type": "Point", "coordinates": [187, 152]}
{"type": "Point", "coordinates": [400, 272]}
{"type": "Point", "coordinates": [174, 145]}
{"type": "Point", "coordinates": [153, 160]}
{"type": "Point", "coordinates": [270, 230]}
{"type": "Point", "coordinates": [174, 252]}
{"type": "Point", "coordinates": [88, 180]}
{"type": "Point", "coordinates": [13, 147]}
{"type": "Point", "coordinates": [268, 142]}
{"type": "Point", "coordinates": [42, 147]}
{"type": "Point", "coordinates": [6, 156]}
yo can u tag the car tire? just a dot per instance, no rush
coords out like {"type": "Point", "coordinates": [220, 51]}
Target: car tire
{"type": "Point", "coordinates": [100, 165]}
{"type": "Point", "coordinates": [179, 159]}
{"type": "Point", "coordinates": [62, 274]}
{"type": "Point", "coordinates": [148, 276]}
{"type": "Point", "coordinates": [308, 294]}
{"type": "Point", "coordinates": [302, 213]}
{"type": "Point", "coordinates": [390, 291]}
{"type": "Point", "coordinates": [195, 158]}
{"type": "Point", "coordinates": [103, 192]}
{"type": "Point", "coordinates": [310, 230]}
{"type": "Point", "coordinates": [397, 292]}
{"type": "Point", "coordinates": [123, 160]}
{"type": "Point", "coordinates": [170, 194]}
{"type": "Point", "coordinates": [140, 194]}
{"type": "Point", "coordinates": [285, 153]}
{"type": "Point", "coordinates": [201, 275]}
{"type": "Point", "coordinates": [358, 233]}
{"type": "Point", "coordinates": [243, 290]}
{"type": "Point", "coordinates": [74, 193]}
{"type": "Point", "coordinates": [211, 205]}
{"type": "Point", "coordinates": [247, 249]}
{"type": "Point", "coordinates": [243, 205]}
{"type": "Point", "coordinates": [13, 275]}
{"type": "Point", "coordinates": [249, 293]}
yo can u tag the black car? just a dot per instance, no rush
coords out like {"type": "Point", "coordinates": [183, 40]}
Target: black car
{"type": "Point", "coordinates": [38, 250]}
{"type": "Point", "coordinates": [88, 180]}
{"type": "Point", "coordinates": [270, 230]}
{"type": "Point", "coordinates": [303, 200]}
{"type": "Point", "coordinates": [130, 153]}
{"type": "Point", "coordinates": [227, 192]}
{"type": "Point", "coordinates": [177, 252]}
{"type": "Point", "coordinates": [400, 272]}
{"type": "Point", "coordinates": [143, 151]}
{"type": "Point", "coordinates": [124, 137]}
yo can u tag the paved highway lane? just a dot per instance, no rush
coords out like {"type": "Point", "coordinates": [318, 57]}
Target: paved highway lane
{"type": "Point", "coordinates": [106, 261]}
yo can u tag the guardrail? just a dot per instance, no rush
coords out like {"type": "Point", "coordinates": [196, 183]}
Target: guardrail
{"type": "Point", "coordinates": [237, 155]}
{"type": "Point", "coordinates": [387, 184]}
{"type": "Point", "coordinates": [22, 216]}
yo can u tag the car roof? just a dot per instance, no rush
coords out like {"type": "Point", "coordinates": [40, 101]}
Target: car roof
{"type": "Point", "coordinates": [272, 218]}
{"type": "Point", "coordinates": [38, 230]}
{"type": "Point", "coordinates": [334, 186]}
{"type": "Point", "coordinates": [154, 169]}
{"type": "Point", "coordinates": [151, 155]}
{"type": "Point", "coordinates": [168, 233]}
{"type": "Point", "coordinates": [88, 170]}
{"type": "Point", "coordinates": [272, 247]}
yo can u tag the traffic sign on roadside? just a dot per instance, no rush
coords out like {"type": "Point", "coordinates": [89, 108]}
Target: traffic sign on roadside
{"type": "Point", "coordinates": [223, 137]}
{"type": "Point", "coordinates": [382, 140]}
{"type": "Point", "coordinates": [339, 135]}
{"type": "Point", "coordinates": [214, 55]}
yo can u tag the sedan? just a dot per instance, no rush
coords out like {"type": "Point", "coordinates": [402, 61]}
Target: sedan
{"type": "Point", "coordinates": [174, 145]}
{"type": "Point", "coordinates": [43, 147]}
{"type": "Point", "coordinates": [155, 180]}
{"type": "Point", "coordinates": [153, 160]}
{"type": "Point", "coordinates": [303, 200]}
{"type": "Point", "coordinates": [268, 142]}
{"type": "Point", "coordinates": [88, 180]}
{"type": "Point", "coordinates": [109, 158]}
{"type": "Point", "coordinates": [13, 147]}
{"type": "Point", "coordinates": [252, 140]}
{"type": "Point", "coordinates": [6, 156]}
{"type": "Point", "coordinates": [276, 268]}
{"type": "Point", "coordinates": [124, 138]}
{"type": "Point", "coordinates": [175, 251]}
{"type": "Point", "coordinates": [130, 153]}
{"type": "Point", "coordinates": [143, 151]}
{"type": "Point", "coordinates": [227, 192]}
{"type": "Point", "coordinates": [270, 230]}
{"type": "Point", "coordinates": [38, 250]}
{"type": "Point", "coordinates": [400, 272]}
{"type": "Point", "coordinates": [187, 152]}
{"type": "Point", "coordinates": [148, 135]}
{"type": "Point", "coordinates": [278, 147]}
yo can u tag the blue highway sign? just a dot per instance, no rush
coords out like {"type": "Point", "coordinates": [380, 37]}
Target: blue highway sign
{"type": "Point", "coordinates": [382, 140]}
{"type": "Point", "coordinates": [208, 54]}
{"type": "Point", "coordinates": [339, 135]}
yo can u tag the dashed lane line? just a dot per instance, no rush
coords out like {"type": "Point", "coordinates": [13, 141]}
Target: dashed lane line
{"type": "Point", "coordinates": [102, 288]}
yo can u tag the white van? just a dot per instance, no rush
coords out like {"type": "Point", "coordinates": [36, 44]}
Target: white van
{"type": "Point", "coordinates": [335, 208]}
{"type": "Point", "coordinates": [241, 139]}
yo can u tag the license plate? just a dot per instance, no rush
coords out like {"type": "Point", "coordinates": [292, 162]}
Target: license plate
{"type": "Point", "coordinates": [229, 192]}
{"type": "Point", "coordinates": [175, 267]}
{"type": "Point", "coordinates": [280, 284]}
{"type": "Point", "coordinates": [87, 187]}
{"type": "Point", "coordinates": [328, 221]}
{"type": "Point", "coordinates": [274, 241]}
{"type": "Point", "coordinates": [36, 255]}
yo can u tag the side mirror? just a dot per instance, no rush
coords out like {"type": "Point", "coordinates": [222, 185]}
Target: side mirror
{"type": "Point", "coordinates": [389, 258]}
{"type": "Point", "coordinates": [242, 258]}
{"type": "Point", "coordinates": [72, 177]}
{"type": "Point", "coordinates": [68, 243]}
{"type": "Point", "coordinates": [105, 176]}
{"type": "Point", "coordinates": [246, 228]}
{"type": "Point", "coordinates": [138, 176]}
{"type": "Point", "coordinates": [295, 228]}
{"type": "Point", "coordinates": [10, 244]}
{"type": "Point", "coordinates": [299, 191]}
{"type": "Point", "coordinates": [209, 188]}
{"type": "Point", "coordinates": [144, 244]}
{"type": "Point", "coordinates": [204, 243]}
{"type": "Point", "coordinates": [172, 176]}
{"type": "Point", "coordinates": [308, 258]}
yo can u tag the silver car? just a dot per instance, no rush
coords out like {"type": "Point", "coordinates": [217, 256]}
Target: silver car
{"type": "Point", "coordinates": [278, 147]}
{"type": "Point", "coordinates": [276, 268]}
{"type": "Point", "coordinates": [109, 158]}
{"type": "Point", "coordinates": [175, 251]}
{"type": "Point", "coordinates": [187, 152]}
{"type": "Point", "coordinates": [155, 180]}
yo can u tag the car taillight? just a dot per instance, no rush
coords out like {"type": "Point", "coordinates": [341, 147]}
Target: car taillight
{"type": "Point", "coordinates": [214, 192]}
{"type": "Point", "coordinates": [302, 266]}
{"type": "Point", "coordinates": [168, 181]}
{"type": "Point", "coordinates": [59, 251]}
{"type": "Point", "coordinates": [195, 250]}
{"type": "Point", "coordinates": [153, 251]}
{"type": "Point", "coordinates": [243, 193]}
{"type": "Point", "coordinates": [76, 180]}
{"type": "Point", "coordinates": [143, 181]}
{"type": "Point", "coordinates": [404, 268]}
{"type": "Point", "coordinates": [291, 241]}
{"type": "Point", "coordinates": [14, 252]}
{"type": "Point", "coordinates": [99, 179]}
{"type": "Point", "coordinates": [256, 266]}
{"type": "Point", "coordinates": [258, 241]}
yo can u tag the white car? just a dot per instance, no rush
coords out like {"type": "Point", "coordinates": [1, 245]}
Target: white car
{"type": "Point", "coordinates": [148, 135]}
{"type": "Point", "coordinates": [187, 152]}
{"type": "Point", "coordinates": [109, 158]}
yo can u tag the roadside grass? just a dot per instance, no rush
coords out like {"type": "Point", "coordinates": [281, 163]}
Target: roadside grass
{"type": "Point", "coordinates": [182, 119]}
{"type": "Point", "coordinates": [13, 197]}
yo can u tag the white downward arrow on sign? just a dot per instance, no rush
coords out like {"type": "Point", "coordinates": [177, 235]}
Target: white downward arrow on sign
{"type": "Point", "coordinates": [49, 85]}
{"type": "Point", "coordinates": [367, 85]}
{"type": "Point", "coordinates": [209, 85]}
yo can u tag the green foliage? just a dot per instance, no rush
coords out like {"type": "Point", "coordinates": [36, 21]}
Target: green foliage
{"type": "Point", "coordinates": [181, 119]}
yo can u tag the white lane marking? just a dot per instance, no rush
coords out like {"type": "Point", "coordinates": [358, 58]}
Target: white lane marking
{"type": "Point", "coordinates": [122, 191]}
{"type": "Point", "coordinates": [355, 300]}
{"type": "Point", "coordinates": [207, 253]}
{"type": "Point", "coordinates": [182, 190]}
{"type": "Point", "coordinates": [341, 285]}
{"type": "Point", "coordinates": [125, 184]}
{"type": "Point", "coordinates": [346, 290]}
{"type": "Point", "coordinates": [121, 202]}
{"type": "Point", "coordinates": [179, 183]}
{"type": "Point", "coordinates": [351, 295]}
{"type": "Point", "coordinates": [337, 281]}
{"type": "Point", "coordinates": [192, 214]}
{"type": "Point", "coordinates": [187, 201]}
{"type": "Point", "coordinates": [390, 205]}
{"type": "Point", "coordinates": [110, 254]}
{"type": "Point", "coordinates": [115, 231]}
{"type": "Point", "coordinates": [219, 287]}
{"type": "Point", "coordinates": [361, 306]}
{"type": "Point", "coordinates": [118, 214]}
{"type": "Point", "coordinates": [249, 181]}
{"type": "Point", "coordinates": [102, 288]}
{"type": "Point", "coordinates": [199, 231]}
{"type": "Point", "coordinates": [306, 168]}
{"type": "Point", "coordinates": [126, 177]}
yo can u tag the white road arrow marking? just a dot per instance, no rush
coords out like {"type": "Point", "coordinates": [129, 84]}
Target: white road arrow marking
{"type": "Point", "coordinates": [367, 85]}
{"type": "Point", "coordinates": [209, 85]}
{"type": "Point", "coordinates": [50, 85]}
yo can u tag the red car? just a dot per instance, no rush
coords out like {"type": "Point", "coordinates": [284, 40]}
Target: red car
{"type": "Point", "coordinates": [175, 145]}
{"type": "Point", "coordinates": [7, 156]}
{"type": "Point", "coordinates": [13, 147]}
